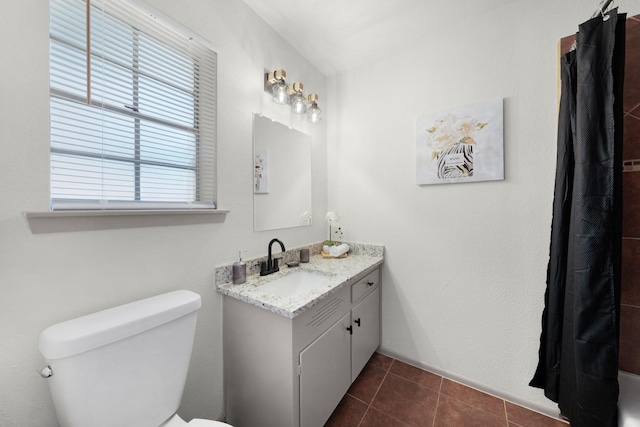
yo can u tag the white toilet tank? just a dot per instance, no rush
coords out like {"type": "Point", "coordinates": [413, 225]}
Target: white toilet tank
{"type": "Point", "coordinates": [125, 366]}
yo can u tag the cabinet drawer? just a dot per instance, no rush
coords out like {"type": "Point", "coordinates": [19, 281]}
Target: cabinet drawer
{"type": "Point", "coordinates": [365, 285]}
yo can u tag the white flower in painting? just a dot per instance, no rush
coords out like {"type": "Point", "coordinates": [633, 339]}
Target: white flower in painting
{"type": "Point", "coordinates": [450, 130]}
{"type": "Point", "coordinates": [258, 167]}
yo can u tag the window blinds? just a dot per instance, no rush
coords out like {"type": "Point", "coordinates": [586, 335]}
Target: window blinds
{"type": "Point", "coordinates": [133, 110]}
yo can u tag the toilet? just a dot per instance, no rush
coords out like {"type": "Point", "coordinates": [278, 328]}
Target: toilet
{"type": "Point", "coordinates": [125, 366]}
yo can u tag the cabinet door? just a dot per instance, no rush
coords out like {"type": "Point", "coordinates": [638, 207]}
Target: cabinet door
{"type": "Point", "coordinates": [325, 374]}
{"type": "Point", "coordinates": [365, 319]}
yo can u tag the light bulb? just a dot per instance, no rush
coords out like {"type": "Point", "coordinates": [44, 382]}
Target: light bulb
{"type": "Point", "coordinates": [297, 103]}
{"type": "Point", "coordinates": [280, 94]}
{"type": "Point", "coordinates": [313, 113]}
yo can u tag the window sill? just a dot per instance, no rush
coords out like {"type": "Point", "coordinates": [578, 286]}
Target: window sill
{"type": "Point", "coordinates": [92, 220]}
{"type": "Point", "coordinates": [124, 212]}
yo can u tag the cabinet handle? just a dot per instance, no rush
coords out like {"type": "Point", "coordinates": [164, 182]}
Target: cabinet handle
{"type": "Point", "coordinates": [357, 322]}
{"type": "Point", "coordinates": [350, 329]}
{"type": "Point", "coordinates": [370, 283]}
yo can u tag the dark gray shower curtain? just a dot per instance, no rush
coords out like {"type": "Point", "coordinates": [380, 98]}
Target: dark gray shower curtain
{"type": "Point", "coordinates": [578, 365]}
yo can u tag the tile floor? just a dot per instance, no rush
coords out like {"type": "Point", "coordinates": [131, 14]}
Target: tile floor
{"type": "Point", "coordinates": [390, 393]}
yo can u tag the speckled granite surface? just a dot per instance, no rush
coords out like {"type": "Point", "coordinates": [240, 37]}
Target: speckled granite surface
{"type": "Point", "coordinates": [362, 259]}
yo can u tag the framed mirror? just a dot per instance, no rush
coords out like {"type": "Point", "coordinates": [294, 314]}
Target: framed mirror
{"type": "Point", "coordinates": [281, 176]}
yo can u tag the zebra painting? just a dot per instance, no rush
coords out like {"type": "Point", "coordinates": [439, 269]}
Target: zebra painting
{"type": "Point", "coordinates": [456, 161]}
{"type": "Point", "coordinates": [462, 144]}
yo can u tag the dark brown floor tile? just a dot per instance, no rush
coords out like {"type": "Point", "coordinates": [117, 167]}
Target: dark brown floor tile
{"type": "Point", "coordinates": [630, 293]}
{"type": "Point", "coordinates": [367, 384]}
{"type": "Point", "coordinates": [406, 400]}
{"type": "Point", "coordinates": [381, 361]}
{"type": "Point", "coordinates": [349, 413]}
{"type": "Point", "coordinates": [417, 375]}
{"type": "Point", "coordinates": [527, 418]}
{"type": "Point", "coordinates": [375, 418]}
{"type": "Point", "coordinates": [474, 398]}
{"type": "Point", "coordinates": [630, 339]}
{"type": "Point", "coordinates": [452, 412]}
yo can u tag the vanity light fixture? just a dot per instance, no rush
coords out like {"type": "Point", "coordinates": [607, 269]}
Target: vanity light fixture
{"type": "Point", "coordinates": [313, 112]}
{"type": "Point", "coordinates": [297, 98]}
{"type": "Point", "coordinates": [279, 90]}
{"type": "Point", "coordinates": [293, 95]}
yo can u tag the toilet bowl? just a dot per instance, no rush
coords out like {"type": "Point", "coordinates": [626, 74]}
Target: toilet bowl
{"type": "Point", "coordinates": [124, 366]}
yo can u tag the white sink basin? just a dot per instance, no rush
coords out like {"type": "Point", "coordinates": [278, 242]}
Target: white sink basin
{"type": "Point", "coordinates": [294, 284]}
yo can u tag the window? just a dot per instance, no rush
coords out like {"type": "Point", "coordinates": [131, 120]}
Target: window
{"type": "Point", "coordinates": [133, 110]}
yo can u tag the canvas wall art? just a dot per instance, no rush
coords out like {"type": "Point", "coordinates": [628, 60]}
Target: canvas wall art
{"type": "Point", "coordinates": [464, 144]}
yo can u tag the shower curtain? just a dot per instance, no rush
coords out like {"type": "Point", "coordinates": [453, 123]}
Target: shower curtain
{"type": "Point", "coordinates": [578, 356]}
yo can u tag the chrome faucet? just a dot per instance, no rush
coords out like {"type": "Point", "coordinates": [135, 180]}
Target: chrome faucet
{"type": "Point", "coordinates": [271, 265]}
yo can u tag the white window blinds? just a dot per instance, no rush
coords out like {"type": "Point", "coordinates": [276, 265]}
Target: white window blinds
{"type": "Point", "coordinates": [133, 110]}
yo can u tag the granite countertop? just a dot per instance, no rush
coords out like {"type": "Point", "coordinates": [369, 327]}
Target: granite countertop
{"type": "Point", "coordinates": [362, 260]}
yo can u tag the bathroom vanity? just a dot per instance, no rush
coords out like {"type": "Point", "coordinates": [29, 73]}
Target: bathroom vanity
{"type": "Point", "coordinates": [289, 360]}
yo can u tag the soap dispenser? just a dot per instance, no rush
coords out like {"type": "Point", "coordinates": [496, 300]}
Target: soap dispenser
{"type": "Point", "coordinates": [239, 270]}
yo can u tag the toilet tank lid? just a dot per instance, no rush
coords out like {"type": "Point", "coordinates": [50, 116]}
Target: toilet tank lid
{"type": "Point", "coordinates": [105, 327]}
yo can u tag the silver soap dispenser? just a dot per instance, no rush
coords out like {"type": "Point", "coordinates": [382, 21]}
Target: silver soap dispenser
{"type": "Point", "coordinates": [239, 270]}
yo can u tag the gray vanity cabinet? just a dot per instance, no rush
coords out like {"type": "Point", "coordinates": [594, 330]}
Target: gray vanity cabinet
{"type": "Point", "coordinates": [282, 372]}
{"type": "Point", "coordinates": [325, 373]}
{"type": "Point", "coordinates": [365, 320]}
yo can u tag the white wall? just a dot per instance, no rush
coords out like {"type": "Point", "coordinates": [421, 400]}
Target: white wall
{"type": "Point", "coordinates": [47, 277]}
{"type": "Point", "coordinates": [465, 264]}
